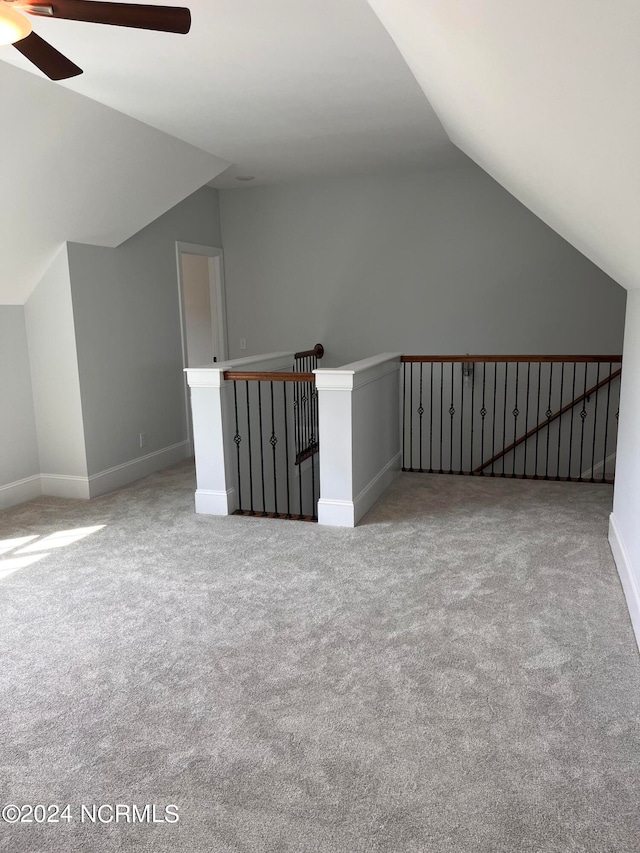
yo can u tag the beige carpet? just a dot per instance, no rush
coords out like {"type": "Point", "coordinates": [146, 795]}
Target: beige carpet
{"type": "Point", "coordinates": [458, 674]}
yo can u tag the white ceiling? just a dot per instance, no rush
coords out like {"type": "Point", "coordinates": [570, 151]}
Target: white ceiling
{"type": "Point", "coordinates": [282, 89]}
{"type": "Point", "coordinates": [545, 96]}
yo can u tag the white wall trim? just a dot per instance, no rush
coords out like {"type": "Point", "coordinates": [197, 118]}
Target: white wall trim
{"type": "Point", "coordinates": [211, 377]}
{"type": "Point", "coordinates": [212, 502]}
{"type": "Point", "coordinates": [359, 373]}
{"type": "Point", "coordinates": [334, 513]}
{"type": "Point", "coordinates": [627, 577]}
{"type": "Point", "coordinates": [217, 286]}
{"type": "Point", "coordinates": [374, 489]}
{"type": "Point", "coordinates": [136, 469]}
{"type": "Point", "coordinates": [65, 486]}
{"type": "Point", "coordinates": [20, 491]}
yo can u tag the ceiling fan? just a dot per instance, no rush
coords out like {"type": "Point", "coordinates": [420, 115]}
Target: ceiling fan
{"type": "Point", "coordinates": [15, 27]}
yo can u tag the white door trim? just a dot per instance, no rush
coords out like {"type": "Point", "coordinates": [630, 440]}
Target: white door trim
{"type": "Point", "coordinates": [218, 303]}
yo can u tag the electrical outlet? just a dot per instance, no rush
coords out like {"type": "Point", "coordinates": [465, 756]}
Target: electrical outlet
{"type": "Point", "coordinates": [143, 439]}
{"type": "Point", "coordinates": [243, 343]}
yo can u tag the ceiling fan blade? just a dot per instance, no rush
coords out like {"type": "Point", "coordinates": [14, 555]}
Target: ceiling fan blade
{"type": "Point", "coordinates": [45, 57]}
{"type": "Point", "coordinates": [168, 19]}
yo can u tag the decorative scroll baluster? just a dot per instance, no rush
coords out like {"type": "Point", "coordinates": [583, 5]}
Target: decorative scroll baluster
{"type": "Point", "coordinates": [430, 422]}
{"type": "Point", "coordinates": [583, 417]}
{"type": "Point", "coordinates": [549, 413]}
{"type": "Point", "coordinates": [237, 439]}
{"type": "Point", "coordinates": [452, 412]}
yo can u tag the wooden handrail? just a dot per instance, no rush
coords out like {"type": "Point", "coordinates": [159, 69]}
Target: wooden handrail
{"type": "Point", "coordinates": [614, 359]}
{"type": "Point", "coordinates": [318, 351]}
{"type": "Point", "coordinates": [255, 376]}
{"type": "Point", "coordinates": [547, 421]}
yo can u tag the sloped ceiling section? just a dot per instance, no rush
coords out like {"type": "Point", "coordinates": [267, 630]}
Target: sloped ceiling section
{"type": "Point", "coordinates": [544, 96]}
{"type": "Point", "coordinates": [75, 170]}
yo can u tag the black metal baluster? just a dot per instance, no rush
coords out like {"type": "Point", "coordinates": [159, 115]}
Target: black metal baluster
{"type": "Point", "coordinates": [504, 416]}
{"type": "Point", "coordinates": [420, 413]}
{"type": "Point", "coordinates": [305, 399]}
{"type": "Point", "coordinates": [572, 413]}
{"type": "Point", "coordinates": [237, 439]}
{"type": "Point", "coordinates": [309, 403]}
{"type": "Point", "coordinates": [606, 425]}
{"type": "Point", "coordinates": [560, 420]}
{"type": "Point", "coordinates": [286, 448]}
{"type": "Point", "coordinates": [473, 394]}
{"type": "Point", "coordinates": [595, 424]}
{"type": "Point", "coordinates": [273, 442]}
{"type": "Point", "coordinates": [583, 417]}
{"type": "Point", "coordinates": [452, 412]}
{"type": "Point", "coordinates": [535, 475]}
{"type": "Point", "coordinates": [483, 414]}
{"type": "Point", "coordinates": [431, 422]}
{"type": "Point", "coordinates": [313, 479]}
{"type": "Point", "coordinates": [296, 420]}
{"type": "Point", "coordinates": [441, 412]}
{"type": "Point", "coordinates": [461, 414]}
{"type": "Point", "coordinates": [264, 501]}
{"type": "Point", "coordinates": [249, 446]}
{"type": "Point", "coordinates": [526, 419]}
{"type": "Point", "coordinates": [548, 413]}
{"type": "Point", "coordinates": [404, 416]}
{"type": "Point", "coordinates": [493, 422]}
{"type": "Point", "coordinates": [515, 414]}
{"type": "Point", "coordinates": [411, 420]}
{"type": "Point", "coordinates": [300, 484]}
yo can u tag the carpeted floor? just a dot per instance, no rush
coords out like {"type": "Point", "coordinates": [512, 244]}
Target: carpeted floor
{"type": "Point", "coordinates": [457, 674]}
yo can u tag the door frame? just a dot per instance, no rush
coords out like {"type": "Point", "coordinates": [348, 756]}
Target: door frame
{"type": "Point", "coordinates": [218, 305]}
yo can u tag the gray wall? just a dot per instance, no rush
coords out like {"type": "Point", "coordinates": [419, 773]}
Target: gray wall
{"type": "Point", "coordinates": [434, 262]}
{"type": "Point", "coordinates": [126, 309]}
{"type": "Point", "coordinates": [18, 443]}
{"type": "Point", "coordinates": [54, 373]}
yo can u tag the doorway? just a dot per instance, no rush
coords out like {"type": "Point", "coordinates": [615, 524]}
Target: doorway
{"type": "Point", "coordinates": [202, 309]}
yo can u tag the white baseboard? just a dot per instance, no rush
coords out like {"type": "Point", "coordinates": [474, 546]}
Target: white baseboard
{"type": "Point", "coordinates": [341, 513]}
{"type": "Point", "coordinates": [336, 513]}
{"type": "Point", "coordinates": [210, 502]}
{"type": "Point", "coordinates": [65, 486]}
{"type": "Point", "coordinates": [627, 577]}
{"type": "Point", "coordinates": [136, 469]}
{"type": "Point", "coordinates": [20, 491]}
{"type": "Point", "coordinates": [380, 483]}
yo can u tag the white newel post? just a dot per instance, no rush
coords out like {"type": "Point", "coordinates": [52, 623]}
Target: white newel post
{"type": "Point", "coordinates": [212, 409]}
{"type": "Point", "coordinates": [360, 438]}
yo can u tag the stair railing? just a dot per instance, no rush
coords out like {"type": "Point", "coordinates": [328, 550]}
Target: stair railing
{"type": "Point", "coordinates": [511, 416]}
{"type": "Point", "coordinates": [275, 421]}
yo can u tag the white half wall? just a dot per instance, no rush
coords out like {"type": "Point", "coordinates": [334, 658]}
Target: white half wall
{"type": "Point", "coordinates": [359, 425]}
{"type": "Point", "coordinates": [624, 531]}
{"type": "Point", "coordinates": [430, 262]}
{"type": "Point", "coordinates": [54, 375]}
{"type": "Point", "coordinates": [212, 408]}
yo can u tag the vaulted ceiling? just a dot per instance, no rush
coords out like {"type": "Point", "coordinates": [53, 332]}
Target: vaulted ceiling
{"type": "Point", "coordinates": [544, 96]}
